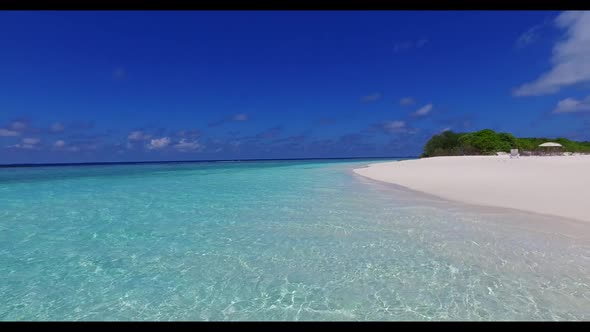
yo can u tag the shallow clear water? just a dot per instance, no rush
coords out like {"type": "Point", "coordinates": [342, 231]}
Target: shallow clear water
{"type": "Point", "coordinates": [273, 241]}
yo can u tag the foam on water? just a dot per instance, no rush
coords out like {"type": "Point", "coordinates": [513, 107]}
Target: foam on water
{"type": "Point", "coordinates": [272, 241]}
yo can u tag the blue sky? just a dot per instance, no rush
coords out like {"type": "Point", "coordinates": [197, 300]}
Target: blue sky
{"type": "Point", "coordinates": [125, 86]}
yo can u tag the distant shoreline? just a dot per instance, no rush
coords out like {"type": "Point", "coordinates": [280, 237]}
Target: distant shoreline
{"type": "Point", "coordinates": [551, 185]}
{"type": "Point", "coordinates": [106, 163]}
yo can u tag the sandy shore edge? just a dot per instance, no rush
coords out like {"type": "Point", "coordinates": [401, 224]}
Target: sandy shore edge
{"type": "Point", "coordinates": [550, 185]}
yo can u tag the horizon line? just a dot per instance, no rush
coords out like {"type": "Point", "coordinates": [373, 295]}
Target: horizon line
{"type": "Point", "coordinates": [183, 161]}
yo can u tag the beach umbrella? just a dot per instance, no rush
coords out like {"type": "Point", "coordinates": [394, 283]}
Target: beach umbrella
{"type": "Point", "coordinates": [551, 146]}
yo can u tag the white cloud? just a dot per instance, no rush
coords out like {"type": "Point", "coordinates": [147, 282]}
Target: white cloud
{"type": "Point", "coordinates": [372, 97]}
{"type": "Point", "coordinates": [407, 101]}
{"type": "Point", "coordinates": [27, 143]}
{"type": "Point", "coordinates": [189, 133]}
{"type": "Point", "coordinates": [57, 127]}
{"type": "Point", "coordinates": [18, 125]}
{"type": "Point", "coordinates": [159, 143]}
{"type": "Point", "coordinates": [7, 132]}
{"type": "Point", "coordinates": [570, 59]}
{"type": "Point", "coordinates": [59, 144]}
{"type": "Point", "coordinates": [407, 45]}
{"type": "Point", "coordinates": [424, 110]}
{"type": "Point", "coordinates": [421, 42]}
{"type": "Point", "coordinates": [395, 125]}
{"type": "Point", "coordinates": [529, 36]}
{"type": "Point", "coordinates": [184, 145]}
{"type": "Point", "coordinates": [31, 141]}
{"type": "Point", "coordinates": [138, 136]}
{"type": "Point", "coordinates": [240, 117]}
{"type": "Point", "coordinates": [571, 105]}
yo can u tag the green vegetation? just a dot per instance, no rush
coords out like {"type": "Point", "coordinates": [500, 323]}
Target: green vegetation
{"type": "Point", "coordinates": [487, 142]}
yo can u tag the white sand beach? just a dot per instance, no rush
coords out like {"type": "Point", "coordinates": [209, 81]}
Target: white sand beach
{"type": "Point", "coordinates": [553, 185]}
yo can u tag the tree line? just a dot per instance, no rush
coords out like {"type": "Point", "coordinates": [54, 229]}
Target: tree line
{"type": "Point", "coordinates": [488, 142]}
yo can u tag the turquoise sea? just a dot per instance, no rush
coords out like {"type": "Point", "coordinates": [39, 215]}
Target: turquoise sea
{"type": "Point", "coordinates": [273, 240]}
